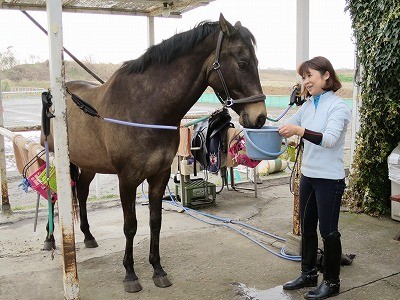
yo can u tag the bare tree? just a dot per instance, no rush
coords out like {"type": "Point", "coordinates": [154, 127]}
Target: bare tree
{"type": "Point", "coordinates": [33, 59]}
{"type": "Point", "coordinates": [7, 59]}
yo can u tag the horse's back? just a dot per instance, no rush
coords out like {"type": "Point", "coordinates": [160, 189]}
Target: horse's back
{"type": "Point", "coordinates": [81, 88]}
{"type": "Point", "coordinates": [81, 84]}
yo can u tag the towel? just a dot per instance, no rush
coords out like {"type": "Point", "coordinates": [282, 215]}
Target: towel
{"type": "Point", "coordinates": [23, 155]}
{"type": "Point", "coordinates": [185, 140]}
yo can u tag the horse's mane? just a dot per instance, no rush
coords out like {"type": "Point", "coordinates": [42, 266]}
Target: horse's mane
{"type": "Point", "coordinates": [178, 45]}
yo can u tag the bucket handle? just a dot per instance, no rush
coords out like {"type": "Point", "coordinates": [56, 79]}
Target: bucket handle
{"type": "Point", "coordinates": [261, 150]}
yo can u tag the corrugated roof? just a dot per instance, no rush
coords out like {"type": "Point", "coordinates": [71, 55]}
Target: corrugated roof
{"type": "Point", "coordinates": [128, 7]}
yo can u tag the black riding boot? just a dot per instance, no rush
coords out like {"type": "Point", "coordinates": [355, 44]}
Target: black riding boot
{"type": "Point", "coordinates": [309, 276]}
{"type": "Point", "coordinates": [332, 255]}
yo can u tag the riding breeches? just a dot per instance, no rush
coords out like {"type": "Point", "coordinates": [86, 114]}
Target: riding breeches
{"type": "Point", "coordinates": [320, 201]}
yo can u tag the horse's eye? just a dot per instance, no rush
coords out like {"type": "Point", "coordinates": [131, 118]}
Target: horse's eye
{"type": "Point", "coordinates": [242, 64]}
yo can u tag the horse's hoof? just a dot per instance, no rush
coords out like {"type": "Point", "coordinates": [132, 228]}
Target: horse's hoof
{"type": "Point", "coordinates": [162, 281]}
{"type": "Point", "coordinates": [132, 286]}
{"type": "Point", "coordinates": [91, 243]}
{"type": "Point", "coordinates": [49, 245]}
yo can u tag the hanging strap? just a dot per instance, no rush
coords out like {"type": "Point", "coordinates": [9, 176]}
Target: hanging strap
{"type": "Point", "coordinates": [91, 111]}
{"type": "Point", "coordinates": [46, 116]}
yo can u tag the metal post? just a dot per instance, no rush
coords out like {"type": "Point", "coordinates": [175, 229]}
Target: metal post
{"type": "Point", "coordinates": [302, 54]}
{"type": "Point", "coordinates": [150, 28]}
{"type": "Point", "coordinates": [57, 80]}
{"type": "Point", "coordinates": [293, 241]}
{"type": "Point", "coordinates": [5, 203]}
{"type": "Point", "coordinates": [302, 31]}
{"type": "Point", "coordinates": [255, 179]}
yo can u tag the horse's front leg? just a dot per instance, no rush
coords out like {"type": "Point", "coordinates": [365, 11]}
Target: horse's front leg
{"type": "Point", "coordinates": [127, 191]}
{"type": "Point", "coordinates": [157, 186]}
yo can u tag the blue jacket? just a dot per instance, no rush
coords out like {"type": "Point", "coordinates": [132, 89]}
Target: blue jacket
{"type": "Point", "coordinates": [330, 117]}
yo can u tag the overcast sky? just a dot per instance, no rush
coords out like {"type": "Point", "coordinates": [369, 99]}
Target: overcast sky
{"type": "Point", "coordinates": [115, 39]}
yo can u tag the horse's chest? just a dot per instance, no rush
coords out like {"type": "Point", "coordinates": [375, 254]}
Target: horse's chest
{"type": "Point", "coordinates": [157, 156]}
{"type": "Point", "coordinates": [159, 147]}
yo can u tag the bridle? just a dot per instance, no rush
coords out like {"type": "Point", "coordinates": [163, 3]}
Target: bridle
{"type": "Point", "coordinates": [217, 67]}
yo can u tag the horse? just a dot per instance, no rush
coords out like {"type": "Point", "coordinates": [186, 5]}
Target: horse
{"type": "Point", "coordinates": [157, 88]}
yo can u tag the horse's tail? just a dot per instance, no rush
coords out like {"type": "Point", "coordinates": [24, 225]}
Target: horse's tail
{"type": "Point", "coordinates": [74, 171]}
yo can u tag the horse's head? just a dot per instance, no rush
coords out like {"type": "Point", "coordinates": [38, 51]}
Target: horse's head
{"type": "Point", "coordinates": [233, 74]}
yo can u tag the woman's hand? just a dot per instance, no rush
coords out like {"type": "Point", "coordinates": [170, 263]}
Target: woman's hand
{"type": "Point", "coordinates": [288, 130]}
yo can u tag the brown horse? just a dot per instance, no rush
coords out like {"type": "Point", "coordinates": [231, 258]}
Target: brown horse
{"type": "Point", "coordinates": [158, 88]}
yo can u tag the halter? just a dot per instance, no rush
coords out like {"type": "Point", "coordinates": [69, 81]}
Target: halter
{"type": "Point", "coordinates": [217, 67]}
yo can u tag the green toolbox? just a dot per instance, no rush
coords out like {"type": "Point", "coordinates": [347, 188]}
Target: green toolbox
{"type": "Point", "coordinates": [197, 192]}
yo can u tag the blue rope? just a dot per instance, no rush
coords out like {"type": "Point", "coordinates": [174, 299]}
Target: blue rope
{"type": "Point", "coordinates": [281, 116]}
{"type": "Point", "coordinates": [140, 125]}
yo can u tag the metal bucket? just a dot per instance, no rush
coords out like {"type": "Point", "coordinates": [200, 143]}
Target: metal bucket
{"type": "Point", "coordinates": [264, 143]}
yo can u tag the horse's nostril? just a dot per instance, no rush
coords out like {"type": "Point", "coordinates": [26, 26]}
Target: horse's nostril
{"type": "Point", "coordinates": [261, 121]}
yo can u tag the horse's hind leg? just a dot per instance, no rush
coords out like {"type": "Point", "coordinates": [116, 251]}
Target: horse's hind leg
{"type": "Point", "coordinates": [127, 190]}
{"type": "Point", "coordinates": [49, 242]}
{"type": "Point", "coordinates": [82, 190]}
{"type": "Point", "coordinates": [157, 186]}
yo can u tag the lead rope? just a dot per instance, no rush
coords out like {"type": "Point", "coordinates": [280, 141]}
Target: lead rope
{"type": "Point", "coordinates": [299, 149]}
{"type": "Point", "coordinates": [46, 116]}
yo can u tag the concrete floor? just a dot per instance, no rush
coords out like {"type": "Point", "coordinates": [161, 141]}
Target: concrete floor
{"type": "Point", "coordinates": [203, 261]}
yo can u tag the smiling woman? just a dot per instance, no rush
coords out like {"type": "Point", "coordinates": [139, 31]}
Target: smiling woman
{"type": "Point", "coordinates": [321, 122]}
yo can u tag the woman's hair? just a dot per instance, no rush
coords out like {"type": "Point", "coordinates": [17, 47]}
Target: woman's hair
{"type": "Point", "coordinates": [322, 65]}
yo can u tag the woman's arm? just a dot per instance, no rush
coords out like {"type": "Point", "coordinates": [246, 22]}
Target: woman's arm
{"type": "Point", "coordinates": [289, 130]}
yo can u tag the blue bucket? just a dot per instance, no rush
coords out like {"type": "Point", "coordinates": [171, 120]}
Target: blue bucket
{"type": "Point", "coordinates": [264, 143]}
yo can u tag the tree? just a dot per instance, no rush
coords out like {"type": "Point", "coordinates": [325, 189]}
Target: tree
{"type": "Point", "coordinates": [33, 59]}
{"type": "Point", "coordinates": [5, 86]}
{"type": "Point", "coordinates": [7, 59]}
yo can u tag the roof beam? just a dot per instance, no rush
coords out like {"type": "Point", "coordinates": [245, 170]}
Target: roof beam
{"type": "Point", "coordinates": [146, 8]}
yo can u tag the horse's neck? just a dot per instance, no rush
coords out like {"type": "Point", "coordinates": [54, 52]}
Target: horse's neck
{"type": "Point", "coordinates": [167, 91]}
{"type": "Point", "coordinates": [188, 76]}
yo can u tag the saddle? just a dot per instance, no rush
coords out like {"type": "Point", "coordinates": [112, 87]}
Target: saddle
{"type": "Point", "coordinates": [209, 140]}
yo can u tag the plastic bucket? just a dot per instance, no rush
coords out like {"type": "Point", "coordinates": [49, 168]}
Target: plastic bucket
{"type": "Point", "coordinates": [264, 143]}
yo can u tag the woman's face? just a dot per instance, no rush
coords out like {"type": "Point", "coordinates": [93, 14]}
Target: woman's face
{"type": "Point", "coordinates": [314, 82]}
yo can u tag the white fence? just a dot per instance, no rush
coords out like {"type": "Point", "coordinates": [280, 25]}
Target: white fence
{"type": "Point", "coordinates": [23, 90]}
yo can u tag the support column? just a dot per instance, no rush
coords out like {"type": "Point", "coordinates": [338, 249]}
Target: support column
{"type": "Point", "coordinates": [302, 53]}
{"type": "Point", "coordinates": [66, 216]}
{"type": "Point", "coordinates": [150, 31]}
{"type": "Point", "coordinates": [302, 31]}
{"type": "Point", "coordinates": [5, 203]}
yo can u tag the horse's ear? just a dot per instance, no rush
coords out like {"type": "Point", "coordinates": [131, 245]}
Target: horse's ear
{"type": "Point", "coordinates": [226, 27]}
{"type": "Point", "coordinates": [238, 24]}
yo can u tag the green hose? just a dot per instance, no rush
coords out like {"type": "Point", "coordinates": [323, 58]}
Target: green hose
{"type": "Point", "coordinates": [195, 121]}
{"type": "Point", "coordinates": [49, 200]}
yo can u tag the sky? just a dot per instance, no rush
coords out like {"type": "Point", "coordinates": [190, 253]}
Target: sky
{"type": "Point", "coordinates": [115, 39]}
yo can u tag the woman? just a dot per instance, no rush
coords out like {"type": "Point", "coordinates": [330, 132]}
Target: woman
{"type": "Point", "coordinates": [322, 123]}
